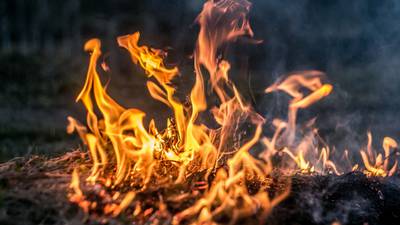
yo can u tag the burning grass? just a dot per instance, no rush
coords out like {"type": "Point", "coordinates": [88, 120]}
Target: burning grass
{"type": "Point", "coordinates": [33, 192]}
{"type": "Point", "coordinates": [193, 173]}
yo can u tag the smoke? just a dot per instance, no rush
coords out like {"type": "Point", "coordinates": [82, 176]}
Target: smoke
{"type": "Point", "coordinates": [354, 43]}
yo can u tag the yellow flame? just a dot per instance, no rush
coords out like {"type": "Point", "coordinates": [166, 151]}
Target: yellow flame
{"type": "Point", "coordinates": [379, 165]}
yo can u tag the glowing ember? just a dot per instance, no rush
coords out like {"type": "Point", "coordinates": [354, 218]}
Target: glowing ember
{"type": "Point", "coordinates": [130, 158]}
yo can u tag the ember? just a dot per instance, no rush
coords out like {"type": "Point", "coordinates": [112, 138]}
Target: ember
{"type": "Point", "coordinates": [194, 173]}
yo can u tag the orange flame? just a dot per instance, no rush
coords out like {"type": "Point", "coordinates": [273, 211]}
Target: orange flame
{"type": "Point", "coordinates": [381, 162]}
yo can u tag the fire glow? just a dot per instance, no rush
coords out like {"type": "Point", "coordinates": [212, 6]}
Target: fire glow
{"type": "Point", "coordinates": [218, 177]}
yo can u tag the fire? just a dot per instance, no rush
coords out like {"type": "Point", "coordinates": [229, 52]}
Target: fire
{"type": "Point", "coordinates": [381, 162]}
{"type": "Point", "coordinates": [130, 157]}
{"type": "Point", "coordinates": [285, 133]}
{"type": "Point", "coordinates": [77, 195]}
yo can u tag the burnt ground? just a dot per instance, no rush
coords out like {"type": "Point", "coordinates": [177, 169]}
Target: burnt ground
{"type": "Point", "coordinates": [351, 198]}
{"type": "Point", "coordinates": [33, 190]}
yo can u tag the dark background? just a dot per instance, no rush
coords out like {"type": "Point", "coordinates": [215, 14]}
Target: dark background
{"type": "Point", "coordinates": [42, 64]}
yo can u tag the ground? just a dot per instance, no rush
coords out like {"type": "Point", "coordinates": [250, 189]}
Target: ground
{"type": "Point", "coordinates": [34, 190]}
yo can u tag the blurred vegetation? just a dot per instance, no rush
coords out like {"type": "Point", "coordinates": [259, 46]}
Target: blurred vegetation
{"type": "Point", "coordinates": [34, 103]}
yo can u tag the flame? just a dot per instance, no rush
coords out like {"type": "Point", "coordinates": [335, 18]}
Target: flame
{"type": "Point", "coordinates": [130, 157]}
{"type": "Point", "coordinates": [375, 165]}
{"type": "Point", "coordinates": [77, 194]}
{"type": "Point", "coordinates": [379, 165]}
{"type": "Point", "coordinates": [125, 153]}
{"type": "Point", "coordinates": [285, 132]}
